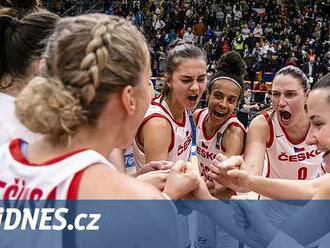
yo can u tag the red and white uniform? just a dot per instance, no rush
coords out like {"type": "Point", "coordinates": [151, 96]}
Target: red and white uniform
{"type": "Point", "coordinates": [57, 178]}
{"type": "Point", "coordinates": [208, 147]}
{"type": "Point", "coordinates": [207, 233]}
{"type": "Point", "coordinates": [180, 147]}
{"type": "Point", "coordinates": [288, 160]}
{"type": "Point", "coordinates": [10, 126]}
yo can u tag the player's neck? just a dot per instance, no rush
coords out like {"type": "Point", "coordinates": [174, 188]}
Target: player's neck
{"type": "Point", "coordinates": [213, 127]}
{"type": "Point", "coordinates": [299, 130]}
{"type": "Point", "coordinates": [175, 108]}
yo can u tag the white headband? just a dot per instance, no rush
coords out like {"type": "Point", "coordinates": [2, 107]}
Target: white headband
{"type": "Point", "coordinates": [228, 78]}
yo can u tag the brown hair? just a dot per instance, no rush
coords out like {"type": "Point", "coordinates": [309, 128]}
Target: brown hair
{"type": "Point", "coordinates": [20, 8]}
{"type": "Point", "coordinates": [87, 58]}
{"type": "Point", "coordinates": [22, 40]}
{"type": "Point", "coordinates": [296, 73]}
{"type": "Point", "coordinates": [179, 52]}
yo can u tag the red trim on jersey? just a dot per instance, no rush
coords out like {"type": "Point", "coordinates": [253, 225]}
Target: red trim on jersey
{"type": "Point", "coordinates": [268, 164]}
{"type": "Point", "coordinates": [271, 129]}
{"type": "Point", "coordinates": [222, 147]}
{"type": "Point", "coordinates": [237, 124]}
{"type": "Point", "coordinates": [290, 140]}
{"type": "Point", "coordinates": [171, 146]}
{"type": "Point", "coordinates": [17, 155]}
{"type": "Point", "coordinates": [167, 112]}
{"type": "Point", "coordinates": [204, 128]}
{"type": "Point", "coordinates": [198, 116]}
{"type": "Point", "coordinates": [74, 185]}
{"type": "Point", "coordinates": [323, 169]}
{"type": "Point", "coordinates": [52, 195]}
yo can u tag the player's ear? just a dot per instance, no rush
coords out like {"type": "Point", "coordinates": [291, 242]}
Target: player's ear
{"type": "Point", "coordinates": [128, 100]}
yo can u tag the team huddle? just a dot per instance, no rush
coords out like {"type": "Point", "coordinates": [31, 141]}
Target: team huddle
{"type": "Point", "coordinates": [77, 100]}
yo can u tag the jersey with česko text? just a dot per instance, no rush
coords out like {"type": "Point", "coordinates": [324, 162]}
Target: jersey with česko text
{"type": "Point", "coordinates": [208, 147]}
{"type": "Point", "coordinates": [181, 140]}
{"type": "Point", "coordinates": [287, 160]}
{"type": "Point", "coordinates": [22, 180]}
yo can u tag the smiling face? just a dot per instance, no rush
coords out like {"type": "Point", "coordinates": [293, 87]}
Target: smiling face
{"type": "Point", "coordinates": [188, 82]}
{"type": "Point", "coordinates": [223, 100]}
{"type": "Point", "coordinates": [288, 99]}
{"type": "Point", "coordinates": [318, 108]}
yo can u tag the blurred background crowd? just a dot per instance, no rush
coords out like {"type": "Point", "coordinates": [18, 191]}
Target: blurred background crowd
{"type": "Point", "coordinates": [268, 34]}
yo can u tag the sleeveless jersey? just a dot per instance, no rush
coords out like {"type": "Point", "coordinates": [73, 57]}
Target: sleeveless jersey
{"type": "Point", "coordinates": [288, 160]}
{"type": "Point", "coordinates": [285, 159]}
{"type": "Point", "coordinates": [54, 179]}
{"type": "Point", "coordinates": [180, 147]}
{"type": "Point", "coordinates": [208, 147]}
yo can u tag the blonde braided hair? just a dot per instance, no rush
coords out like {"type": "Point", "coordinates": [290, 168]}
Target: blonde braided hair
{"type": "Point", "coordinates": [87, 58]}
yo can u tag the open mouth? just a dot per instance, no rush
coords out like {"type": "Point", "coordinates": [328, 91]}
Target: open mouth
{"type": "Point", "coordinates": [220, 114]}
{"type": "Point", "coordinates": [193, 98]}
{"type": "Point", "coordinates": [285, 116]}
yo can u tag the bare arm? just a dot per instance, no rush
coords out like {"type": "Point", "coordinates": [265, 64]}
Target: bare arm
{"type": "Point", "coordinates": [156, 136]}
{"type": "Point", "coordinates": [98, 182]}
{"type": "Point", "coordinates": [281, 189]}
{"type": "Point", "coordinates": [233, 142]}
{"type": "Point", "coordinates": [315, 213]}
{"type": "Point", "coordinates": [255, 146]}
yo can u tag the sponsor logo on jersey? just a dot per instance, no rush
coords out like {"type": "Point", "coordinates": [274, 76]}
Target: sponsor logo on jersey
{"type": "Point", "coordinates": [301, 156]}
{"type": "Point", "coordinates": [129, 160]}
{"type": "Point", "coordinates": [205, 154]}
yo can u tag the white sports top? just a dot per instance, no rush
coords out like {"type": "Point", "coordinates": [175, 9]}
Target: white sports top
{"type": "Point", "coordinates": [288, 160]}
{"type": "Point", "coordinates": [208, 147]}
{"type": "Point", "coordinates": [57, 178]}
{"type": "Point", "coordinates": [180, 147]}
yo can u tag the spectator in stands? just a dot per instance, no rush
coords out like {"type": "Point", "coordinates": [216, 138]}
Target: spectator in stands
{"type": "Point", "coordinates": [260, 92]}
{"type": "Point", "coordinates": [188, 36]}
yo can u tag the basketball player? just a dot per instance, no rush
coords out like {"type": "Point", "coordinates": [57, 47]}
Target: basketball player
{"type": "Point", "coordinates": [20, 51]}
{"type": "Point", "coordinates": [165, 133]}
{"type": "Point", "coordinates": [279, 139]}
{"type": "Point", "coordinates": [219, 131]}
{"type": "Point", "coordinates": [294, 232]}
{"type": "Point", "coordinates": [103, 83]}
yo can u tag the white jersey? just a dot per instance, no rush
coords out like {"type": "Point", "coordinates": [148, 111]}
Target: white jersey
{"type": "Point", "coordinates": [180, 147]}
{"type": "Point", "coordinates": [53, 179]}
{"type": "Point", "coordinates": [208, 147]}
{"type": "Point", "coordinates": [207, 233]}
{"type": "Point", "coordinates": [10, 126]}
{"type": "Point", "coordinates": [288, 160]}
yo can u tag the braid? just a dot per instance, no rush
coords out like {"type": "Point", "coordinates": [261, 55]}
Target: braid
{"type": "Point", "coordinates": [89, 57]}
